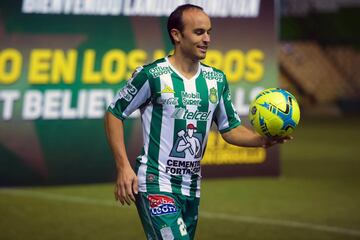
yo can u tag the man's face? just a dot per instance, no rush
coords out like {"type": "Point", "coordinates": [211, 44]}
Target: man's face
{"type": "Point", "coordinates": [195, 37]}
{"type": "Point", "coordinates": [190, 132]}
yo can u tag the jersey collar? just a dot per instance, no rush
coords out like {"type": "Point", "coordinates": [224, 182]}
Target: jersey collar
{"type": "Point", "coordinates": [182, 76]}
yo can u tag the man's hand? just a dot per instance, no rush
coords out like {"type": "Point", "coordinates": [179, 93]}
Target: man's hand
{"type": "Point", "coordinates": [126, 185]}
{"type": "Point", "coordinates": [270, 141]}
{"type": "Point", "coordinates": [245, 137]}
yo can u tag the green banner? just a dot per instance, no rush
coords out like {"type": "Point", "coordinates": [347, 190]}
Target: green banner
{"type": "Point", "coordinates": [61, 62]}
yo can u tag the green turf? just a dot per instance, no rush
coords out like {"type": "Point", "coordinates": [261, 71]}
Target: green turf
{"type": "Point", "coordinates": [319, 185]}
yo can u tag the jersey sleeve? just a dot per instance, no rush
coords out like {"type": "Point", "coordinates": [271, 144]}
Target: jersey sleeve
{"type": "Point", "coordinates": [131, 96]}
{"type": "Point", "coordinates": [226, 117]}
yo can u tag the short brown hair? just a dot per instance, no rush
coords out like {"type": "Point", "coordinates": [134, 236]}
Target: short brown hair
{"type": "Point", "coordinates": [175, 18]}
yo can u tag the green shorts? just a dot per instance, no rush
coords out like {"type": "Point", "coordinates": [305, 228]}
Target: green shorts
{"type": "Point", "coordinates": [168, 216]}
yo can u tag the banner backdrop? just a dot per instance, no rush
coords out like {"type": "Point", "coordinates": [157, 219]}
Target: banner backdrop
{"type": "Point", "coordinates": [62, 61]}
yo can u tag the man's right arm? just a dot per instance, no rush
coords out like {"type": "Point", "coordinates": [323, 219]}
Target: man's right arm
{"type": "Point", "coordinates": [126, 183]}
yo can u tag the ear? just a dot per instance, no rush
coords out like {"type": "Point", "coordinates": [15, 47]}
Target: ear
{"type": "Point", "coordinates": [176, 34]}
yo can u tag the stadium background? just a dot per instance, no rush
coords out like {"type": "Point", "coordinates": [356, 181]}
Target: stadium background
{"type": "Point", "coordinates": [53, 66]}
{"type": "Point", "coordinates": [315, 197]}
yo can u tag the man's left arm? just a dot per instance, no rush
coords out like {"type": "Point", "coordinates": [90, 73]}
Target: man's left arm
{"type": "Point", "coordinates": [244, 137]}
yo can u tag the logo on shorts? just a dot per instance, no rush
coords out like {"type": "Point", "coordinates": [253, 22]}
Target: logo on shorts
{"type": "Point", "coordinates": [166, 233]}
{"type": "Point", "coordinates": [161, 205]}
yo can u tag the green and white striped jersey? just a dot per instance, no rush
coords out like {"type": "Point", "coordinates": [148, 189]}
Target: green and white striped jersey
{"type": "Point", "coordinates": [176, 115]}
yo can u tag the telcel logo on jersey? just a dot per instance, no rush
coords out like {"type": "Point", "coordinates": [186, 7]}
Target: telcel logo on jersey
{"type": "Point", "coordinates": [161, 205]}
{"type": "Point", "coordinates": [182, 113]}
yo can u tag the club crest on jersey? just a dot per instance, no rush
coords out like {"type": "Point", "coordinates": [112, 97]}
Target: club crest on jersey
{"type": "Point", "coordinates": [151, 177]}
{"type": "Point", "coordinates": [161, 205]}
{"type": "Point", "coordinates": [213, 98]}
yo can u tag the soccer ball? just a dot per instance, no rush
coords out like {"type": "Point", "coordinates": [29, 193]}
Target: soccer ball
{"type": "Point", "coordinates": [274, 113]}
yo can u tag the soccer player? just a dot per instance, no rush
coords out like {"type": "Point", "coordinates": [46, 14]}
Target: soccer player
{"type": "Point", "coordinates": [179, 98]}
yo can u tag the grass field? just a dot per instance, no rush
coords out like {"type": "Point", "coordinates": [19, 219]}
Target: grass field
{"type": "Point", "coordinates": [317, 197]}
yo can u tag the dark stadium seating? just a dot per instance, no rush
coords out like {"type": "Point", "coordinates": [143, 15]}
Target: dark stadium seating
{"type": "Point", "coordinates": [348, 63]}
{"type": "Point", "coordinates": [317, 74]}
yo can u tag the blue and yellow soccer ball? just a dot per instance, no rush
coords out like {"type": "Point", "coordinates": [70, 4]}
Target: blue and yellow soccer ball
{"type": "Point", "coordinates": [274, 113]}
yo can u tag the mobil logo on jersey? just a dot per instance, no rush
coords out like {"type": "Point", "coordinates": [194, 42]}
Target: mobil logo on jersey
{"type": "Point", "coordinates": [161, 204]}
